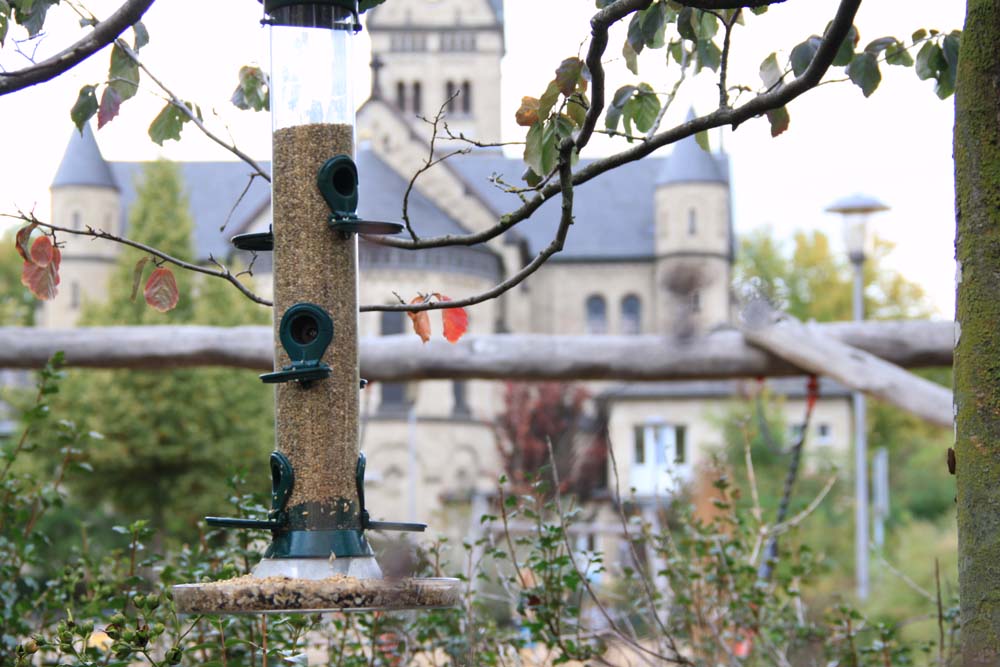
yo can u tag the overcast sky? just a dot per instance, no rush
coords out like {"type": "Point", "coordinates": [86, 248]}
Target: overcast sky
{"type": "Point", "coordinates": [895, 145]}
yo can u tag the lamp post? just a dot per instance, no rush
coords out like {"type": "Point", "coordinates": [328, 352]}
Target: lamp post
{"type": "Point", "coordinates": [855, 211]}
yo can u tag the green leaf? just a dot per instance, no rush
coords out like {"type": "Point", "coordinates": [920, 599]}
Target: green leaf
{"type": "Point", "coordinates": [123, 75]}
{"type": "Point", "coordinates": [533, 147]}
{"type": "Point", "coordinates": [708, 55]}
{"type": "Point", "coordinates": [576, 107]}
{"type": "Point", "coordinates": [919, 35]}
{"type": "Point", "coordinates": [949, 48]}
{"type": "Point", "coordinates": [707, 25]}
{"type": "Point", "coordinates": [653, 25]}
{"type": "Point", "coordinates": [615, 109]}
{"type": "Point", "coordinates": [803, 54]}
{"type": "Point", "coordinates": [845, 54]}
{"type": "Point", "coordinates": [548, 100]}
{"type": "Point", "coordinates": [898, 55]}
{"type": "Point", "coordinates": [531, 178]}
{"type": "Point", "coordinates": [167, 124]}
{"type": "Point", "coordinates": [877, 46]}
{"type": "Point", "coordinates": [141, 35]}
{"type": "Point", "coordinates": [686, 24]}
{"type": "Point", "coordinates": [85, 108]}
{"type": "Point", "coordinates": [779, 120]}
{"type": "Point", "coordinates": [634, 36]}
{"type": "Point", "coordinates": [770, 71]}
{"type": "Point", "coordinates": [550, 146]}
{"type": "Point", "coordinates": [631, 58]}
{"type": "Point", "coordinates": [4, 20]}
{"type": "Point", "coordinates": [864, 72]}
{"type": "Point", "coordinates": [643, 108]}
{"type": "Point", "coordinates": [930, 61]}
{"type": "Point", "coordinates": [31, 15]}
{"type": "Point", "coordinates": [111, 101]}
{"type": "Point", "coordinates": [137, 276]}
{"type": "Point", "coordinates": [568, 75]}
{"type": "Point", "coordinates": [677, 51]}
{"type": "Point", "coordinates": [701, 138]}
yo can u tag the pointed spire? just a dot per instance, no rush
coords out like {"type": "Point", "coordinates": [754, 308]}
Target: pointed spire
{"type": "Point", "coordinates": [689, 163]}
{"type": "Point", "coordinates": [83, 164]}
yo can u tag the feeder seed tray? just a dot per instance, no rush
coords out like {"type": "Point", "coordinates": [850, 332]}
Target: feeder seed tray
{"type": "Point", "coordinates": [271, 595]}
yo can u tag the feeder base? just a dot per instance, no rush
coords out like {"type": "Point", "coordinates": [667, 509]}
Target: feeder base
{"type": "Point", "coordinates": [360, 567]}
{"type": "Point", "coordinates": [272, 595]}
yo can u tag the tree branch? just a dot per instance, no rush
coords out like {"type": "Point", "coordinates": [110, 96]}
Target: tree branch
{"type": "Point", "coordinates": [222, 272]}
{"type": "Point", "coordinates": [104, 33]}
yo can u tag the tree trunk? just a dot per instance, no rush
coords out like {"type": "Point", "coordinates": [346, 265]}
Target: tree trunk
{"type": "Point", "coordinates": [977, 350]}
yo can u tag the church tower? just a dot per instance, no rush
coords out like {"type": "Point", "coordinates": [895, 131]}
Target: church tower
{"type": "Point", "coordinates": [694, 241]}
{"type": "Point", "coordinates": [84, 194]}
{"type": "Point", "coordinates": [429, 53]}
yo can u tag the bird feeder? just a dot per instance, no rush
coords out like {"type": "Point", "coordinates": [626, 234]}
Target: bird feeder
{"type": "Point", "coordinates": [319, 558]}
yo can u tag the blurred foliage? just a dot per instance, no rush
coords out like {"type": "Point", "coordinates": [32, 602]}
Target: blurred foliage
{"type": "Point", "coordinates": [533, 594]}
{"type": "Point", "coordinates": [170, 436]}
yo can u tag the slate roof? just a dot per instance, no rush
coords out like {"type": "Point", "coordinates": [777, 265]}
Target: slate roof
{"type": "Point", "coordinates": [690, 163]}
{"type": "Point", "coordinates": [83, 164]}
{"type": "Point", "coordinates": [213, 188]}
{"type": "Point", "coordinates": [614, 212]}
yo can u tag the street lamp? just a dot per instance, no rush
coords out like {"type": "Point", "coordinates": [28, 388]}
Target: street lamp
{"type": "Point", "coordinates": [855, 211]}
{"type": "Point", "coordinates": [319, 558]}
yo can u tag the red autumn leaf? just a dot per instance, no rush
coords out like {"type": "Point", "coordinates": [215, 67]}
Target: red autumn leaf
{"type": "Point", "coordinates": [43, 251]}
{"type": "Point", "coordinates": [421, 320]}
{"type": "Point", "coordinates": [23, 235]}
{"type": "Point", "coordinates": [161, 290]}
{"type": "Point", "coordinates": [455, 320]}
{"type": "Point", "coordinates": [111, 101]}
{"type": "Point", "coordinates": [40, 273]}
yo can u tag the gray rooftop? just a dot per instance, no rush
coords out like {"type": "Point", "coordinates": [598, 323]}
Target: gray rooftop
{"type": "Point", "coordinates": [83, 164]}
{"type": "Point", "coordinates": [613, 212]}
{"type": "Point", "coordinates": [690, 163]}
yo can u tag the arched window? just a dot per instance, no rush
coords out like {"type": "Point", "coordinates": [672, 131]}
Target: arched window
{"type": "Point", "coordinates": [696, 301]}
{"type": "Point", "coordinates": [401, 95]}
{"type": "Point", "coordinates": [460, 404]}
{"type": "Point", "coordinates": [393, 393]}
{"type": "Point", "coordinates": [466, 97]}
{"type": "Point", "coordinates": [449, 95]}
{"type": "Point", "coordinates": [77, 220]}
{"type": "Point", "coordinates": [417, 101]}
{"type": "Point", "coordinates": [597, 315]}
{"type": "Point", "coordinates": [631, 315]}
{"type": "Point", "coordinates": [692, 222]}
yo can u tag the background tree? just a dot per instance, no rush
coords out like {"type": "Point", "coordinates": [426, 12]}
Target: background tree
{"type": "Point", "coordinates": [17, 305]}
{"type": "Point", "coordinates": [171, 438]}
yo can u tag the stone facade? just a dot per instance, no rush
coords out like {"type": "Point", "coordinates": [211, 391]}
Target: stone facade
{"type": "Point", "coordinates": [651, 253]}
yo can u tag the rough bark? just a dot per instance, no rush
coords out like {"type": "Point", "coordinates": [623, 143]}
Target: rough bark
{"type": "Point", "coordinates": [977, 350]}
{"type": "Point", "coordinates": [718, 355]}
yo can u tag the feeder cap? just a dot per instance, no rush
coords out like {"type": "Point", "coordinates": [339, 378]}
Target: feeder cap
{"type": "Point", "coordinates": [350, 5]}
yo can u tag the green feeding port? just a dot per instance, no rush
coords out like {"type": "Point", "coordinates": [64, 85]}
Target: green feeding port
{"type": "Point", "coordinates": [305, 332]}
{"type": "Point", "coordinates": [338, 183]}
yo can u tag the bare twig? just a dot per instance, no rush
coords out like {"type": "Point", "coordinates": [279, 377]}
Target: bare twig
{"type": "Point", "coordinates": [103, 34]}
{"type": "Point", "coordinates": [221, 272]}
{"type": "Point", "coordinates": [724, 60]}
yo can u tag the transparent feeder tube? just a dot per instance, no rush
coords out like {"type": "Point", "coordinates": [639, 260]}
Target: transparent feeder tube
{"type": "Point", "coordinates": [311, 66]}
{"type": "Point", "coordinates": [316, 425]}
